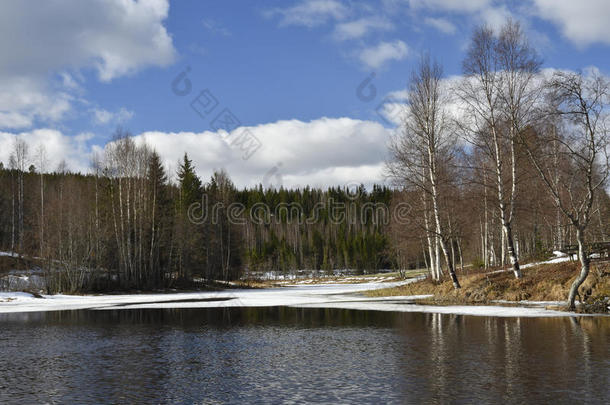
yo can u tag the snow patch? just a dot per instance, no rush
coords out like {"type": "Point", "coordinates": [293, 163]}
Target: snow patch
{"type": "Point", "coordinates": [10, 254]}
{"type": "Point", "coordinates": [344, 296]}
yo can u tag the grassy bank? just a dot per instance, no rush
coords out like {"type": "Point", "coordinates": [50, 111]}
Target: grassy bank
{"type": "Point", "coordinates": [549, 282]}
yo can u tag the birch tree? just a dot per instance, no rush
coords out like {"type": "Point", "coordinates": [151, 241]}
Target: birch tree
{"type": "Point", "coordinates": [19, 160]}
{"type": "Point", "coordinates": [577, 136]}
{"type": "Point", "coordinates": [498, 95]}
{"type": "Point", "coordinates": [425, 143]}
{"type": "Point", "coordinates": [41, 156]}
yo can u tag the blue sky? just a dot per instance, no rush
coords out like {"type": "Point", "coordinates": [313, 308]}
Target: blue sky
{"type": "Point", "coordinates": [267, 70]}
{"type": "Point", "coordinates": [286, 70]}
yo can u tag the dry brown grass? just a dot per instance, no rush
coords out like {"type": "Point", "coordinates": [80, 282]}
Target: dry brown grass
{"type": "Point", "coordinates": [550, 282]}
{"type": "Point", "coordinates": [254, 284]}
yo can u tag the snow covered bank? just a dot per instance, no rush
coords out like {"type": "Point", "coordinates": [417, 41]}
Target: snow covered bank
{"type": "Point", "coordinates": [290, 295]}
{"type": "Point", "coordinates": [560, 257]}
{"type": "Point", "coordinates": [310, 296]}
{"type": "Point", "coordinates": [476, 310]}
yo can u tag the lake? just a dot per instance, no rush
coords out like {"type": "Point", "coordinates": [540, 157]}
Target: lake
{"type": "Point", "coordinates": [299, 355]}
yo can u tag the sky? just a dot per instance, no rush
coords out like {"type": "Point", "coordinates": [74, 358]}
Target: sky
{"type": "Point", "coordinates": [275, 92]}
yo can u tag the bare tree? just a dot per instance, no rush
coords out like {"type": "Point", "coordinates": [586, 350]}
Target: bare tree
{"type": "Point", "coordinates": [578, 137]}
{"type": "Point", "coordinates": [19, 159]}
{"type": "Point", "coordinates": [498, 95]}
{"type": "Point", "coordinates": [13, 167]}
{"type": "Point", "coordinates": [41, 155]}
{"type": "Point", "coordinates": [424, 145]}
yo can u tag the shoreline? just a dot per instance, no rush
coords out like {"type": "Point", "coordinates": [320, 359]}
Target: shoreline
{"type": "Point", "coordinates": [339, 296]}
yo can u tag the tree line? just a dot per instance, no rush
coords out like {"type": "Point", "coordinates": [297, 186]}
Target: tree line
{"type": "Point", "coordinates": [127, 225]}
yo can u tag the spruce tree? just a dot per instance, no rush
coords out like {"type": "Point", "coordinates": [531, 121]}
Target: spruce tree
{"type": "Point", "coordinates": [160, 212]}
{"type": "Point", "coordinates": [189, 234]}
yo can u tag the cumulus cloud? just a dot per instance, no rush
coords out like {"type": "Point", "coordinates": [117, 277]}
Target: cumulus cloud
{"type": "Point", "coordinates": [361, 27]}
{"type": "Point", "coordinates": [45, 47]}
{"type": "Point", "coordinates": [582, 22]}
{"type": "Point", "coordinates": [114, 37]}
{"type": "Point", "coordinates": [322, 152]}
{"type": "Point", "coordinates": [74, 150]}
{"type": "Point", "coordinates": [377, 56]}
{"type": "Point", "coordinates": [310, 13]}
{"type": "Point", "coordinates": [24, 99]}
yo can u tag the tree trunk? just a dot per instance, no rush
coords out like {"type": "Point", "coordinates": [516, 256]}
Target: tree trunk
{"type": "Point", "coordinates": [511, 251]}
{"type": "Point", "coordinates": [41, 213]}
{"type": "Point", "coordinates": [437, 258]}
{"type": "Point", "coordinates": [459, 246]}
{"type": "Point", "coordinates": [502, 246]}
{"type": "Point", "coordinates": [12, 214]}
{"type": "Point", "coordinates": [425, 260]}
{"type": "Point", "coordinates": [437, 219]}
{"type": "Point", "coordinates": [584, 269]}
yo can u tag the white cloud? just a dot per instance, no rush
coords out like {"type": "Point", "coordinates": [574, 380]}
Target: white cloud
{"type": "Point", "coordinates": [114, 37]}
{"type": "Point", "coordinates": [337, 176]}
{"type": "Point", "coordinates": [69, 82]}
{"type": "Point", "coordinates": [215, 27]}
{"type": "Point", "coordinates": [582, 22]}
{"type": "Point", "coordinates": [359, 28]}
{"type": "Point", "coordinates": [101, 116]}
{"type": "Point", "coordinates": [322, 152]}
{"type": "Point", "coordinates": [490, 12]}
{"type": "Point", "coordinates": [44, 48]}
{"type": "Point", "coordinates": [310, 13]}
{"type": "Point", "coordinates": [59, 147]}
{"type": "Point", "coordinates": [392, 111]}
{"type": "Point", "coordinates": [14, 120]}
{"type": "Point", "coordinates": [441, 24]}
{"type": "Point", "coordinates": [461, 6]}
{"type": "Point", "coordinates": [24, 99]}
{"type": "Point", "coordinates": [104, 117]}
{"type": "Point", "coordinates": [375, 57]}
{"type": "Point", "coordinates": [495, 16]}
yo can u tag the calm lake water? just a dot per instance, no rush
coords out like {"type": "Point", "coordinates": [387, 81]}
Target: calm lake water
{"type": "Point", "coordinates": [289, 355]}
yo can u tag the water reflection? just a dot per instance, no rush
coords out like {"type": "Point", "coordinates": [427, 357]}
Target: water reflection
{"type": "Point", "coordinates": [509, 360]}
{"type": "Point", "coordinates": [250, 355]}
